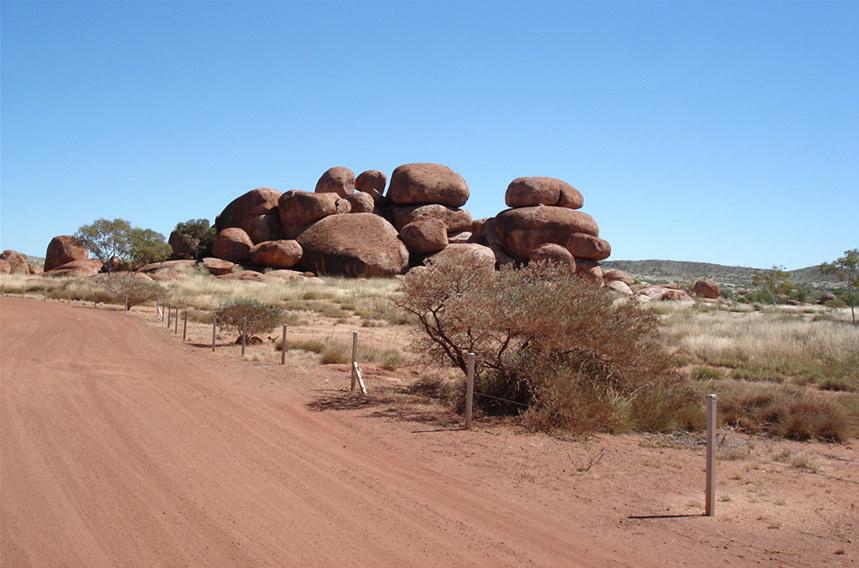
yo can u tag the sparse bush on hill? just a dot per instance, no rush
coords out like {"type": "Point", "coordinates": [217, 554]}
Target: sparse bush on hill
{"type": "Point", "coordinates": [260, 317]}
{"type": "Point", "coordinates": [552, 345]}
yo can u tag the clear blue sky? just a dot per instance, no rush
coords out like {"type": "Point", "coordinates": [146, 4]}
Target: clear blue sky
{"type": "Point", "coordinates": [720, 132]}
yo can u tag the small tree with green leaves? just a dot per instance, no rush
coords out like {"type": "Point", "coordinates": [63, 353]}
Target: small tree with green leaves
{"type": "Point", "coordinates": [846, 268]}
{"type": "Point", "coordinates": [198, 234]}
{"type": "Point", "coordinates": [131, 289]}
{"type": "Point", "coordinates": [106, 239]}
{"type": "Point", "coordinates": [147, 246]}
{"type": "Point", "coordinates": [774, 282]}
{"type": "Point", "coordinates": [260, 317]}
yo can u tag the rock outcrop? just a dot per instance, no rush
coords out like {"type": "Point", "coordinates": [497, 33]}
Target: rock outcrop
{"type": "Point", "coordinates": [255, 213]}
{"type": "Point", "coordinates": [17, 262]}
{"type": "Point", "coordinates": [183, 246]}
{"type": "Point", "coordinates": [473, 250]}
{"type": "Point", "coordinates": [361, 244]}
{"type": "Point", "coordinates": [76, 268]}
{"type": "Point", "coordinates": [531, 191]}
{"type": "Point", "coordinates": [64, 249]}
{"type": "Point", "coordinates": [525, 229]}
{"type": "Point", "coordinates": [371, 182]}
{"type": "Point", "coordinates": [299, 209]}
{"type": "Point", "coordinates": [425, 236]}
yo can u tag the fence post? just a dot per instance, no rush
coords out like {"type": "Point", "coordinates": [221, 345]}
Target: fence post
{"type": "Point", "coordinates": [127, 307]}
{"type": "Point", "coordinates": [469, 390]}
{"type": "Point", "coordinates": [710, 507]}
{"type": "Point", "coordinates": [283, 346]}
{"type": "Point", "coordinates": [176, 322]}
{"type": "Point", "coordinates": [185, 325]}
{"type": "Point", "coordinates": [244, 334]}
{"type": "Point", "coordinates": [169, 316]}
{"type": "Point", "coordinates": [214, 328]}
{"type": "Point", "coordinates": [354, 359]}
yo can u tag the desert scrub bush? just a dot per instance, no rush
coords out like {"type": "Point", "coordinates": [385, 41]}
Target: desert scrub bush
{"type": "Point", "coordinates": [260, 317]}
{"type": "Point", "coordinates": [706, 374]}
{"type": "Point", "coordinates": [784, 411]}
{"type": "Point", "coordinates": [129, 289]}
{"type": "Point", "coordinates": [548, 344]}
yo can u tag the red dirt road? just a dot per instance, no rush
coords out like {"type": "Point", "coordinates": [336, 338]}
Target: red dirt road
{"type": "Point", "coordinates": [121, 447]}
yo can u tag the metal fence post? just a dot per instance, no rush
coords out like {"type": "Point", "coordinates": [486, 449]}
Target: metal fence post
{"type": "Point", "coordinates": [185, 325]}
{"type": "Point", "coordinates": [169, 316]}
{"type": "Point", "coordinates": [710, 507]}
{"type": "Point", "coordinates": [469, 390]}
{"type": "Point", "coordinates": [176, 322]}
{"type": "Point", "coordinates": [214, 329]}
{"type": "Point", "coordinates": [283, 346]}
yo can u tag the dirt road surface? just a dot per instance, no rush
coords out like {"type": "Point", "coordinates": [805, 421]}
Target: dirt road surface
{"type": "Point", "coordinates": [121, 446]}
{"type": "Point", "coordinates": [118, 448]}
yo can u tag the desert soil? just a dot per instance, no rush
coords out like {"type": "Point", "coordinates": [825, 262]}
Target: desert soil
{"type": "Point", "coordinates": [120, 445]}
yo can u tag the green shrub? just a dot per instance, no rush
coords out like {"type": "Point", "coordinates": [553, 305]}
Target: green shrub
{"type": "Point", "coordinates": [552, 345]}
{"type": "Point", "coordinates": [260, 317]}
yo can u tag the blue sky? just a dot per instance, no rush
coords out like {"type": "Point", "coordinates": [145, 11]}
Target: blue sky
{"type": "Point", "coordinates": [718, 132]}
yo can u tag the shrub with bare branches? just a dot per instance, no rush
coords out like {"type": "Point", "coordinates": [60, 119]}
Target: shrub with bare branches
{"type": "Point", "coordinates": [547, 341]}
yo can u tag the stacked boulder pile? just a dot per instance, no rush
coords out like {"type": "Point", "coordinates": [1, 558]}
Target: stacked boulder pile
{"type": "Point", "coordinates": [352, 226]}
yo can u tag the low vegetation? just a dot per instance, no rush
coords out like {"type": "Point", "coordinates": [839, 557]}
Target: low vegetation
{"type": "Point", "coordinates": [248, 316]}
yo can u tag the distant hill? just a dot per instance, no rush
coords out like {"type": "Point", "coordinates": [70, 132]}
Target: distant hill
{"type": "Point", "coordinates": [661, 271]}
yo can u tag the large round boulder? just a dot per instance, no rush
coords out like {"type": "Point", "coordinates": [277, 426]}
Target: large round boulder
{"type": "Point", "coordinates": [361, 202]}
{"type": "Point", "coordinates": [17, 262]}
{"type": "Point", "coordinates": [362, 244]}
{"type": "Point", "coordinates": [531, 191]}
{"type": "Point", "coordinates": [276, 254]}
{"type": "Point", "coordinates": [524, 229]}
{"type": "Point", "coordinates": [64, 249]}
{"type": "Point", "coordinates": [232, 244]}
{"type": "Point", "coordinates": [418, 184]}
{"type": "Point", "coordinates": [619, 286]}
{"type": "Point", "coordinates": [339, 180]}
{"type": "Point", "coordinates": [298, 209]}
{"type": "Point", "coordinates": [588, 246]}
{"type": "Point", "coordinates": [254, 212]}
{"type": "Point", "coordinates": [425, 236]}
{"type": "Point", "coordinates": [372, 182]}
{"type": "Point", "coordinates": [184, 247]}
{"type": "Point", "coordinates": [456, 220]}
{"type": "Point", "coordinates": [460, 252]}
{"type": "Point", "coordinates": [707, 288]}
{"type": "Point", "coordinates": [550, 252]}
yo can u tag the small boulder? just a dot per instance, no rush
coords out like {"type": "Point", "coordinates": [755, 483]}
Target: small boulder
{"type": "Point", "coordinates": [35, 268]}
{"type": "Point", "coordinates": [526, 228]}
{"type": "Point", "coordinates": [371, 182]}
{"type": "Point", "coordinates": [456, 220]}
{"type": "Point", "coordinates": [707, 288]}
{"type": "Point", "coordinates": [615, 275]}
{"type": "Point", "coordinates": [167, 264]}
{"type": "Point", "coordinates": [663, 293]}
{"type": "Point", "coordinates": [460, 251]}
{"type": "Point", "coordinates": [339, 180]}
{"type": "Point", "coordinates": [284, 274]}
{"type": "Point", "coordinates": [588, 246]}
{"type": "Point", "coordinates": [298, 209]}
{"type": "Point", "coordinates": [361, 202]}
{"type": "Point", "coordinates": [64, 249]}
{"type": "Point", "coordinates": [463, 237]}
{"type": "Point", "coordinates": [256, 213]}
{"type": "Point", "coordinates": [531, 191]}
{"type": "Point", "coordinates": [826, 297]}
{"type": "Point", "coordinates": [550, 252]}
{"type": "Point", "coordinates": [418, 184]}
{"type": "Point", "coordinates": [5, 267]}
{"type": "Point", "coordinates": [217, 266]}
{"type": "Point", "coordinates": [362, 244]}
{"type": "Point", "coordinates": [17, 262]}
{"type": "Point", "coordinates": [619, 286]}
{"type": "Point", "coordinates": [589, 270]}
{"type": "Point", "coordinates": [276, 254]}
{"type": "Point", "coordinates": [425, 236]}
{"type": "Point", "coordinates": [244, 276]}
{"type": "Point", "coordinates": [232, 244]}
